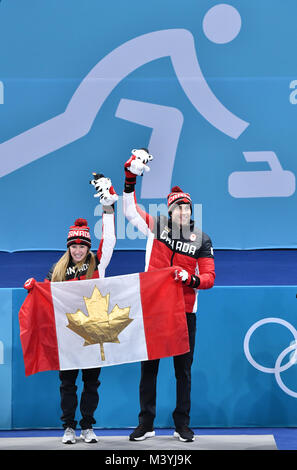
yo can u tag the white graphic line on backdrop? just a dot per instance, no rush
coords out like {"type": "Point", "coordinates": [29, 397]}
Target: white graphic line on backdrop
{"type": "Point", "coordinates": [166, 124]}
{"type": "Point", "coordinates": [76, 121]}
{"type": "Point", "coordinates": [275, 182]}
{"type": "Point", "coordinates": [277, 369]}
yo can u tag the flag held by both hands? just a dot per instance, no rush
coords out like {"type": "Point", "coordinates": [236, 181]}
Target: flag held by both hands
{"type": "Point", "coordinates": [103, 322]}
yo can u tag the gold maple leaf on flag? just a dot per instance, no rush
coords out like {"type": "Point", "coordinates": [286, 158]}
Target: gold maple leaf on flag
{"type": "Point", "coordinates": [98, 326]}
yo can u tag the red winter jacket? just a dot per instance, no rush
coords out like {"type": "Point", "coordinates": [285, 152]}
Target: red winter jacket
{"type": "Point", "coordinates": [194, 253]}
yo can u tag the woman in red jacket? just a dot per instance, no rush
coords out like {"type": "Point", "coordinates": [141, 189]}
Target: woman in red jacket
{"type": "Point", "coordinates": [79, 263]}
{"type": "Point", "coordinates": [172, 241]}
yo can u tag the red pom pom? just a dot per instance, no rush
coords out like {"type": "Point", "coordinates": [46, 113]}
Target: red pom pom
{"type": "Point", "coordinates": [80, 223]}
{"type": "Point", "coordinates": [176, 189]}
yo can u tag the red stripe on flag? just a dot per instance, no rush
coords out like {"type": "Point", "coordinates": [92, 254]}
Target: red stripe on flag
{"type": "Point", "coordinates": [164, 318]}
{"type": "Point", "coordinates": [38, 330]}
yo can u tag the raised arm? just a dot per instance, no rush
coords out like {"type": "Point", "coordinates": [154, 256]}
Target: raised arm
{"type": "Point", "coordinates": [108, 240]}
{"type": "Point", "coordinates": [108, 197]}
{"type": "Point", "coordinates": [136, 165]}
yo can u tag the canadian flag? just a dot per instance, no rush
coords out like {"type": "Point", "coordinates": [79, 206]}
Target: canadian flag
{"type": "Point", "coordinates": [103, 322]}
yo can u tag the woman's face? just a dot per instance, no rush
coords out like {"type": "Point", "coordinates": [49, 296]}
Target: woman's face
{"type": "Point", "coordinates": [78, 252]}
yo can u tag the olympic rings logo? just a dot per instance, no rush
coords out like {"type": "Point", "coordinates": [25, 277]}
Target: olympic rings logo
{"type": "Point", "coordinates": [278, 368]}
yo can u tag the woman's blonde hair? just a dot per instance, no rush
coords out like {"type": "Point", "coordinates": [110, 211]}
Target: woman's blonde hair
{"type": "Point", "coordinates": [59, 273]}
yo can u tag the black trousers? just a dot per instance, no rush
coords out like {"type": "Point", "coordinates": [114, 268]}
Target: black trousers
{"type": "Point", "coordinates": [148, 383]}
{"type": "Point", "coordinates": [89, 397]}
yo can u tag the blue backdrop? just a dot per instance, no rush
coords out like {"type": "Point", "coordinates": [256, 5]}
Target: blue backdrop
{"type": "Point", "coordinates": [209, 87]}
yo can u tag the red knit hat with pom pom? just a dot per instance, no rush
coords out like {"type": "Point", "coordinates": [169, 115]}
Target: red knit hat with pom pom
{"type": "Point", "coordinates": [177, 196]}
{"type": "Point", "coordinates": [79, 233]}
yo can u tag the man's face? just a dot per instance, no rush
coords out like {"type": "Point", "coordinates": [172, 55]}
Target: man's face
{"type": "Point", "coordinates": [181, 214]}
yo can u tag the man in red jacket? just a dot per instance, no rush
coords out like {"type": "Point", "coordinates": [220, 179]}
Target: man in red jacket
{"type": "Point", "coordinates": [172, 241]}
